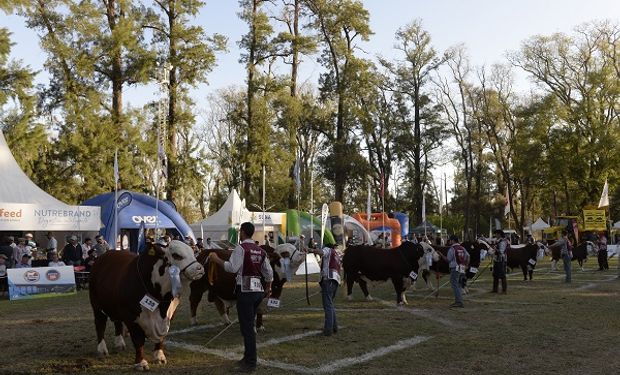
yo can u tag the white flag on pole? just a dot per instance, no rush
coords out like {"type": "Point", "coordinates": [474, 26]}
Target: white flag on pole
{"type": "Point", "coordinates": [604, 202]}
{"type": "Point", "coordinates": [324, 213]}
{"type": "Point", "coordinates": [116, 174]}
{"type": "Point", "coordinates": [507, 207]}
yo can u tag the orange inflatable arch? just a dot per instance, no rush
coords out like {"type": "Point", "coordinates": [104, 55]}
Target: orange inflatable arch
{"type": "Point", "coordinates": [376, 220]}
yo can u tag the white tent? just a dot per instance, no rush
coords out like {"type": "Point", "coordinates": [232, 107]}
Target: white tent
{"type": "Point", "coordinates": [230, 215]}
{"type": "Point", "coordinates": [26, 207]}
{"type": "Point", "coordinates": [539, 225]}
{"type": "Point", "coordinates": [616, 225]}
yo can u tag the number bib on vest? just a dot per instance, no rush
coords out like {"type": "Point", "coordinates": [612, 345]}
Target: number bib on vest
{"type": "Point", "coordinates": [251, 284]}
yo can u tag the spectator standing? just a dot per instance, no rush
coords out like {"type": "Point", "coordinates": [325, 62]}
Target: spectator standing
{"type": "Point", "coordinates": [566, 251]}
{"type": "Point", "coordinates": [21, 249]}
{"type": "Point", "coordinates": [87, 245]}
{"type": "Point", "coordinates": [52, 245]}
{"type": "Point", "coordinates": [7, 251]}
{"type": "Point", "coordinates": [603, 264]}
{"type": "Point", "coordinates": [330, 280]}
{"type": "Point", "coordinates": [72, 252]}
{"type": "Point", "coordinates": [101, 246]}
{"type": "Point", "coordinates": [30, 241]}
{"type": "Point", "coordinates": [500, 261]}
{"type": "Point", "coordinates": [200, 243]}
{"type": "Point", "coordinates": [252, 267]}
{"type": "Point", "coordinates": [3, 265]}
{"type": "Point", "coordinates": [54, 261]}
{"type": "Point", "coordinates": [90, 260]}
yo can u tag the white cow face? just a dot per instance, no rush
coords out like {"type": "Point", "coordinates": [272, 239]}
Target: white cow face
{"type": "Point", "coordinates": [181, 255]}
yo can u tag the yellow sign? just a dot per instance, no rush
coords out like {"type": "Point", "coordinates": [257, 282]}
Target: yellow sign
{"type": "Point", "coordinates": [594, 220]}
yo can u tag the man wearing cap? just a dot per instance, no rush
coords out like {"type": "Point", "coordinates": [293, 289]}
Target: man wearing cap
{"type": "Point", "coordinates": [24, 262]}
{"type": "Point", "coordinates": [330, 280]}
{"type": "Point", "coordinates": [72, 252]}
{"type": "Point", "coordinates": [21, 249]}
{"type": "Point", "coordinates": [29, 240]}
{"type": "Point", "coordinates": [458, 260]}
{"type": "Point", "coordinates": [499, 261]}
{"type": "Point", "coordinates": [252, 267]}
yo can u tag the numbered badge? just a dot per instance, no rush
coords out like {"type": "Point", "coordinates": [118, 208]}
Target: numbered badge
{"type": "Point", "coordinates": [413, 276]}
{"type": "Point", "coordinates": [473, 270]}
{"type": "Point", "coordinates": [273, 302]}
{"type": "Point", "coordinates": [532, 262]}
{"type": "Point", "coordinates": [255, 285]}
{"type": "Point", "coordinates": [149, 303]}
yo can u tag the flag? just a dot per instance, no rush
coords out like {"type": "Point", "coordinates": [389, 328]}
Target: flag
{"type": "Point", "coordinates": [604, 202]}
{"type": "Point", "coordinates": [507, 207]}
{"type": "Point", "coordinates": [116, 174]}
{"type": "Point", "coordinates": [141, 238]}
{"type": "Point", "coordinates": [324, 214]}
{"type": "Point", "coordinates": [423, 208]}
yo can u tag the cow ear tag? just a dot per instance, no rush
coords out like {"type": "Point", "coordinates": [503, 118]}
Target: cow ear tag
{"type": "Point", "coordinates": [149, 303]}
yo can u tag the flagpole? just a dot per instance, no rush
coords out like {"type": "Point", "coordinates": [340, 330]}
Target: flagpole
{"type": "Point", "coordinates": [264, 201]}
{"type": "Point", "coordinates": [312, 207]}
{"type": "Point", "coordinates": [383, 208]}
{"type": "Point", "coordinates": [116, 178]}
{"type": "Point", "coordinates": [368, 212]}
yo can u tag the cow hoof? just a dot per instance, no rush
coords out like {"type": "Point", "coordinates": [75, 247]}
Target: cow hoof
{"type": "Point", "coordinates": [142, 366]}
{"type": "Point", "coordinates": [350, 297]}
{"type": "Point", "coordinates": [260, 329]}
{"type": "Point", "coordinates": [102, 349]}
{"type": "Point", "coordinates": [193, 321]}
{"type": "Point", "coordinates": [159, 357]}
{"type": "Point", "coordinates": [119, 343]}
{"type": "Point", "coordinates": [369, 298]}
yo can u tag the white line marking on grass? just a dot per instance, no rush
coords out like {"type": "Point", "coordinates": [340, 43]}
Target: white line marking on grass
{"type": "Point", "coordinates": [195, 328]}
{"type": "Point", "coordinates": [343, 309]}
{"type": "Point", "coordinates": [418, 312]}
{"type": "Point", "coordinates": [280, 340]}
{"type": "Point", "coordinates": [324, 369]}
{"type": "Point", "coordinates": [587, 286]}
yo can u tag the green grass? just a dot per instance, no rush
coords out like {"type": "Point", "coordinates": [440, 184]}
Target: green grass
{"type": "Point", "coordinates": [539, 327]}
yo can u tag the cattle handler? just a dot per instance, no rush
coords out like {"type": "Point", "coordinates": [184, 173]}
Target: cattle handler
{"type": "Point", "coordinates": [252, 267]}
{"type": "Point", "coordinates": [330, 280]}
{"type": "Point", "coordinates": [500, 260]}
{"type": "Point", "coordinates": [458, 260]}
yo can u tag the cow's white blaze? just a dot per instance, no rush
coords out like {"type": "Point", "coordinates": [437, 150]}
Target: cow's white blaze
{"type": "Point", "coordinates": [181, 255]}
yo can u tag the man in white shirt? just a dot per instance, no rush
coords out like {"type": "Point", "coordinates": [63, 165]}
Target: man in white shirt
{"type": "Point", "coordinates": [252, 267]}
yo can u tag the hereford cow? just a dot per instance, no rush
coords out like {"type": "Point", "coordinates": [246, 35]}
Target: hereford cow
{"type": "Point", "coordinates": [220, 284]}
{"type": "Point", "coordinates": [366, 262]}
{"type": "Point", "coordinates": [525, 257]}
{"type": "Point", "coordinates": [580, 254]}
{"type": "Point", "coordinates": [141, 292]}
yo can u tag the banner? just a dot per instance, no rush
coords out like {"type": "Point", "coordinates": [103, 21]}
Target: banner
{"type": "Point", "coordinates": [594, 220]}
{"type": "Point", "coordinates": [40, 282]}
{"type": "Point", "coordinates": [604, 201]}
{"type": "Point", "coordinates": [22, 217]}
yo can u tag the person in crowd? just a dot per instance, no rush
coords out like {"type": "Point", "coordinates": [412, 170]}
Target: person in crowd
{"type": "Point", "coordinates": [87, 245]}
{"type": "Point", "coordinates": [90, 260]}
{"type": "Point", "coordinates": [3, 265]}
{"type": "Point", "coordinates": [101, 246]}
{"type": "Point", "coordinates": [200, 244]}
{"type": "Point", "coordinates": [603, 264]}
{"type": "Point", "coordinates": [21, 249]}
{"type": "Point", "coordinates": [330, 280]}
{"type": "Point", "coordinates": [55, 261]}
{"type": "Point", "coordinates": [458, 259]}
{"type": "Point", "coordinates": [30, 240]}
{"type": "Point", "coordinates": [254, 277]}
{"type": "Point", "coordinates": [530, 240]}
{"type": "Point", "coordinates": [72, 252]}
{"type": "Point", "coordinates": [7, 250]}
{"type": "Point", "coordinates": [52, 245]}
{"type": "Point", "coordinates": [566, 251]}
{"type": "Point", "coordinates": [24, 261]}
{"type": "Point", "coordinates": [500, 261]}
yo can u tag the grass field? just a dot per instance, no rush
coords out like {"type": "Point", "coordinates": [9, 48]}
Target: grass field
{"type": "Point", "coordinates": [539, 327]}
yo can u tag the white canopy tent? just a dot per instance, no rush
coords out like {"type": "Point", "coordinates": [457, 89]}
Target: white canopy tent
{"type": "Point", "coordinates": [26, 207]}
{"type": "Point", "coordinates": [539, 225]}
{"type": "Point", "coordinates": [230, 215]}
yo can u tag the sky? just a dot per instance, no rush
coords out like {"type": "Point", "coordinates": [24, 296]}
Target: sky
{"type": "Point", "coordinates": [488, 28]}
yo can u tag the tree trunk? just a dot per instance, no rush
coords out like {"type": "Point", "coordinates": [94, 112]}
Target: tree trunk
{"type": "Point", "coordinates": [173, 178]}
{"type": "Point", "coordinates": [247, 178]}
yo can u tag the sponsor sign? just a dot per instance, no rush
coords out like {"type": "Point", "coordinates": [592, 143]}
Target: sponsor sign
{"type": "Point", "coordinates": [40, 282]}
{"type": "Point", "coordinates": [594, 220]}
{"type": "Point", "coordinates": [20, 217]}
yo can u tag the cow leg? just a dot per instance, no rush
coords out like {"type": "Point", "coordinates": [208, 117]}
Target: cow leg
{"type": "Point", "coordinates": [100, 322]}
{"type": "Point", "coordinates": [262, 309]}
{"type": "Point", "coordinates": [119, 341]}
{"type": "Point", "coordinates": [398, 287]}
{"type": "Point", "coordinates": [223, 310]}
{"type": "Point", "coordinates": [350, 281]}
{"type": "Point", "coordinates": [524, 270]}
{"type": "Point", "coordinates": [138, 338]}
{"type": "Point", "coordinates": [364, 287]}
{"type": "Point", "coordinates": [425, 276]}
{"type": "Point", "coordinates": [554, 265]}
{"type": "Point", "coordinates": [195, 297]}
{"type": "Point", "coordinates": [530, 273]}
{"type": "Point", "coordinates": [581, 264]}
{"type": "Point", "coordinates": [158, 353]}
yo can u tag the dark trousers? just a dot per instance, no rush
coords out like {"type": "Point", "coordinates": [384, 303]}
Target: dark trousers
{"type": "Point", "coordinates": [328, 293]}
{"type": "Point", "coordinates": [602, 260]}
{"type": "Point", "coordinates": [499, 273]}
{"type": "Point", "coordinates": [247, 303]}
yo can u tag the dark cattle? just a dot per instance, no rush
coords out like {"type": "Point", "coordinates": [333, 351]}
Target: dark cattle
{"type": "Point", "coordinates": [381, 264]}
{"type": "Point", "coordinates": [524, 257]}
{"type": "Point", "coordinates": [220, 284]}
{"type": "Point", "coordinates": [120, 280]}
{"type": "Point", "coordinates": [580, 254]}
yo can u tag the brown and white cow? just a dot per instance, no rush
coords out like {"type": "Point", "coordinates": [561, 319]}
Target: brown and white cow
{"type": "Point", "coordinates": [139, 292]}
{"type": "Point", "coordinates": [220, 285]}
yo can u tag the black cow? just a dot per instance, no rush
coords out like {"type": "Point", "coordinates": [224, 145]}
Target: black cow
{"type": "Point", "coordinates": [137, 291]}
{"type": "Point", "coordinates": [580, 254]}
{"type": "Point", "coordinates": [376, 264]}
{"type": "Point", "coordinates": [525, 257]}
